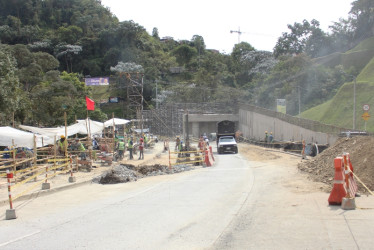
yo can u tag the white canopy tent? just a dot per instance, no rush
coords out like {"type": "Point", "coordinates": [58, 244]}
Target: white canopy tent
{"type": "Point", "coordinates": [21, 138]}
{"type": "Point", "coordinates": [117, 121]}
{"type": "Point", "coordinates": [81, 127]}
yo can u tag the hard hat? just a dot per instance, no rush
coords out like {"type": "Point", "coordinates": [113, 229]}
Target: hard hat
{"type": "Point", "coordinates": [266, 131]}
{"type": "Point", "coordinates": [77, 139]}
{"type": "Point", "coordinates": [62, 136]}
{"type": "Point", "coordinates": [141, 139]}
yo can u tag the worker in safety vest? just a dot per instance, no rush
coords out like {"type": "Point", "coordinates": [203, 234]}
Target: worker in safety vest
{"type": "Point", "coordinates": [177, 142]}
{"type": "Point", "coordinates": [130, 147]}
{"type": "Point", "coordinates": [121, 149]}
{"type": "Point", "coordinates": [78, 146]}
{"type": "Point", "coordinates": [62, 145]}
{"type": "Point", "coordinates": [266, 137]}
{"type": "Point", "coordinates": [145, 141]}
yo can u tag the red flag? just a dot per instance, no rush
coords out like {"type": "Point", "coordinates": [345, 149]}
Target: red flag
{"type": "Point", "coordinates": [90, 104]}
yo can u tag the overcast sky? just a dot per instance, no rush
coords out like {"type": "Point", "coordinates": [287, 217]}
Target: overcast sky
{"type": "Point", "coordinates": [261, 22]}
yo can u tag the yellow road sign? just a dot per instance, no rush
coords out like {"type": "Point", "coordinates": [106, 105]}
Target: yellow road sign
{"type": "Point", "coordinates": [365, 116]}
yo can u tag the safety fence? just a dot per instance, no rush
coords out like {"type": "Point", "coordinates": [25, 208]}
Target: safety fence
{"type": "Point", "coordinates": [24, 181]}
{"type": "Point", "coordinates": [203, 157]}
{"type": "Point", "coordinates": [345, 187]}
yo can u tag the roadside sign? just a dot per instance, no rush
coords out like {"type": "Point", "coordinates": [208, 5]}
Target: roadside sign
{"type": "Point", "coordinates": [366, 107]}
{"type": "Point", "coordinates": [365, 116]}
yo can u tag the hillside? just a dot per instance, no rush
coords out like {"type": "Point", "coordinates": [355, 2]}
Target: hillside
{"type": "Point", "coordinates": [339, 110]}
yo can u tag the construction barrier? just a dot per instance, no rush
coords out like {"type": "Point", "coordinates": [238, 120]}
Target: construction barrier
{"type": "Point", "coordinates": [19, 181]}
{"type": "Point", "coordinates": [185, 157]}
{"type": "Point", "coordinates": [344, 184]}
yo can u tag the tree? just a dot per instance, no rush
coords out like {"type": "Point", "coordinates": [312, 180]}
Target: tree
{"type": "Point", "coordinates": [11, 95]}
{"type": "Point", "coordinates": [67, 51]}
{"type": "Point", "coordinates": [303, 36]}
{"type": "Point", "coordinates": [362, 19]}
{"type": "Point", "coordinates": [70, 34]}
{"type": "Point", "coordinates": [184, 54]}
{"type": "Point", "coordinates": [155, 33]}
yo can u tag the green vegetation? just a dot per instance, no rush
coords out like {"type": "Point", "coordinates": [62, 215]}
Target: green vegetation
{"type": "Point", "coordinates": [48, 50]}
{"type": "Point", "coordinates": [339, 110]}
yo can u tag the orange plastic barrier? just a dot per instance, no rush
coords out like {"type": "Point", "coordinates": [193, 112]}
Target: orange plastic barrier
{"type": "Point", "coordinates": [208, 163]}
{"type": "Point", "coordinates": [344, 183]}
{"type": "Point", "coordinates": [211, 152]}
{"type": "Point", "coordinates": [352, 182]}
{"type": "Point", "coordinates": [338, 191]}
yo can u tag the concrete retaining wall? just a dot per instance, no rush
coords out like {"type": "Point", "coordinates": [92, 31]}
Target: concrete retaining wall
{"type": "Point", "coordinates": [254, 121]}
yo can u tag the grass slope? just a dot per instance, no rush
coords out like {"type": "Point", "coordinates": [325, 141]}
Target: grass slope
{"type": "Point", "coordinates": [339, 110]}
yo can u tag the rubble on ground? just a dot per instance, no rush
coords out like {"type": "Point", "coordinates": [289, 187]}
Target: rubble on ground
{"type": "Point", "coordinates": [361, 151]}
{"type": "Point", "coordinates": [123, 173]}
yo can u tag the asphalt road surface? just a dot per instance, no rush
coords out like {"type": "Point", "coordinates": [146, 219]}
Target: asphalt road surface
{"type": "Point", "coordinates": [237, 204]}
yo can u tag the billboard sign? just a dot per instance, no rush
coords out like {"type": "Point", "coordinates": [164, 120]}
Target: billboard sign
{"type": "Point", "coordinates": [113, 99]}
{"type": "Point", "coordinates": [281, 105]}
{"type": "Point", "coordinates": [96, 81]}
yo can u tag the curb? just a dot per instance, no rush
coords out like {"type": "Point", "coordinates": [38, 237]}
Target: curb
{"type": "Point", "coordinates": [47, 192]}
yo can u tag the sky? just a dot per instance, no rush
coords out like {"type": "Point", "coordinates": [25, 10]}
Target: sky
{"type": "Point", "coordinates": [261, 22]}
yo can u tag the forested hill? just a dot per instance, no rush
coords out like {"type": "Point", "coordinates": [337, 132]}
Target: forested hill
{"type": "Point", "coordinates": [48, 46]}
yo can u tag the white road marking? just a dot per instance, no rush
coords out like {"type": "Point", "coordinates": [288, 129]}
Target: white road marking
{"type": "Point", "coordinates": [19, 238]}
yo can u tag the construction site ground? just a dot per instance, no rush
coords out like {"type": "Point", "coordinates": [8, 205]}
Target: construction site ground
{"type": "Point", "coordinates": [319, 169]}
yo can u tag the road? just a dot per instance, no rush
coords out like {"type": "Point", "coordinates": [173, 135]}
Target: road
{"type": "Point", "coordinates": [237, 204]}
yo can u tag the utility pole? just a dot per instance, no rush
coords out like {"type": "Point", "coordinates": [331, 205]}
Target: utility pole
{"type": "Point", "coordinates": [354, 104]}
{"type": "Point", "coordinates": [156, 96]}
{"type": "Point", "coordinates": [237, 31]}
{"type": "Point", "coordinates": [299, 100]}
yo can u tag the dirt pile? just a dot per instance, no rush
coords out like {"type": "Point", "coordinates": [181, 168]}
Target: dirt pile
{"type": "Point", "coordinates": [361, 151]}
{"type": "Point", "coordinates": [118, 174]}
{"type": "Point", "coordinates": [127, 172]}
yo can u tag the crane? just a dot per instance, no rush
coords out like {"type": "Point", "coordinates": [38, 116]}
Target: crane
{"type": "Point", "coordinates": [237, 31]}
{"type": "Point", "coordinates": [241, 32]}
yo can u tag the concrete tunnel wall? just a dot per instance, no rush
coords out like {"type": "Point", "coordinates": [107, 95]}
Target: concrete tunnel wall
{"type": "Point", "coordinates": [199, 124]}
{"type": "Point", "coordinates": [253, 125]}
{"type": "Point", "coordinates": [253, 121]}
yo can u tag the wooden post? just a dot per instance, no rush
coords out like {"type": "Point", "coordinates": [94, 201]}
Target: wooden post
{"type": "Point", "coordinates": [14, 160]}
{"type": "Point", "coordinates": [113, 130]}
{"type": "Point", "coordinates": [35, 156]}
{"type": "Point", "coordinates": [55, 154]}
{"type": "Point", "coordinates": [66, 136]}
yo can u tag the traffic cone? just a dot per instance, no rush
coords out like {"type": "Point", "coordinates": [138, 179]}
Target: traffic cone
{"type": "Point", "coordinates": [338, 191]}
{"type": "Point", "coordinates": [207, 161]}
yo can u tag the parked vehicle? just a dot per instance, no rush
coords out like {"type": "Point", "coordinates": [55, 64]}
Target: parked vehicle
{"type": "Point", "coordinates": [227, 144]}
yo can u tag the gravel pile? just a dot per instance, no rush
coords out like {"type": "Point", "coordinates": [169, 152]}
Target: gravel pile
{"type": "Point", "coordinates": [118, 174]}
{"type": "Point", "coordinates": [126, 173]}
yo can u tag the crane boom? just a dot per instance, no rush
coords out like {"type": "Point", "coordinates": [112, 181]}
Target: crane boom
{"type": "Point", "coordinates": [237, 31]}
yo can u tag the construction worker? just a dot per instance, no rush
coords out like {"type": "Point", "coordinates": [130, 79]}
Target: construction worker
{"type": "Point", "coordinates": [145, 141]}
{"type": "Point", "coordinates": [166, 145]}
{"type": "Point", "coordinates": [177, 142]}
{"type": "Point", "coordinates": [130, 147]}
{"type": "Point", "coordinates": [121, 148]}
{"type": "Point", "coordinates": [266, 136]}
{"type": "Point", "coordinates": [78, 146]}
{"type": "Point", "coordinates": [271, 137]}
{"type": "Point", "coordinates": [141, 149]}
{"type": "Point", "coordinates": [62, 145]}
